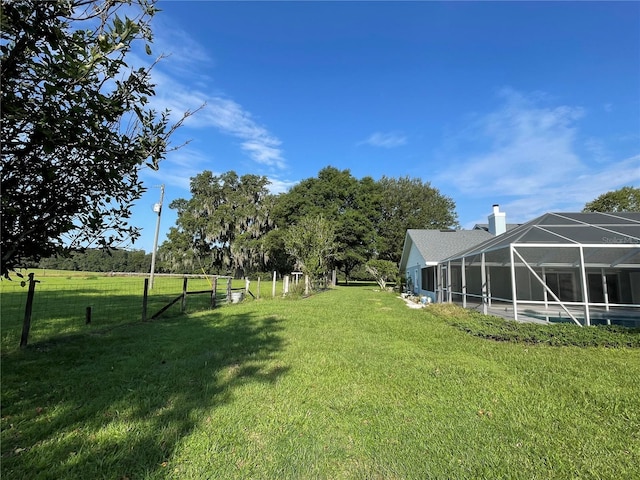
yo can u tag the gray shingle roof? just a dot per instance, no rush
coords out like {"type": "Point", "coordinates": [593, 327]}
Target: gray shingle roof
{"type": "Point", "coordinates": [436, 245]}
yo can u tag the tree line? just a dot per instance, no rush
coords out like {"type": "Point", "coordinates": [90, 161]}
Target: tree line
{"type": "Point", "coordinates": [309, 243]}
{"type": "Point", "coordinates": [99, 260]}
{"type": "Point", "coordinates": [233, 225]}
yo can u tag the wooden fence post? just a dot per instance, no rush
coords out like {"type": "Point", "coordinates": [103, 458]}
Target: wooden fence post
{"type": "Point", "coordinates": [214, 289]}
{"type": "Point", "coordinates": [26, 325]}
{"type": "Point", "coordinates": [229, 290]}
{"type": "Point", "coordinates": [285, 285]}
{"type": "Point", "coordinates": [145, 299]}
{"type": "Point", "coordinates": [184, 294]}
{"type": "Point", "coordinates": [306, 284]}
{"type": "Point", "coordinates": [258, 288]}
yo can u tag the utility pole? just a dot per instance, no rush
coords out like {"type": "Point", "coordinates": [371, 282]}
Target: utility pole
{"type": "Point", "coordinates": [158, 209]}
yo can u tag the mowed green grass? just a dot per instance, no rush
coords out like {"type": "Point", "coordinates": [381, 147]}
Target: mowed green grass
{"type": "Point", "coordinates": [62, 298]}
{"type": "Point", "coordinates": [347, 384]}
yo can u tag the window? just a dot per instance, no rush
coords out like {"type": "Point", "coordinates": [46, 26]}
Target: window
{"type": "Point", "coordinates": [429, 279]}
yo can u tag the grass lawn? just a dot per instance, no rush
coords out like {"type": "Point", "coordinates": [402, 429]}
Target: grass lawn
{"type": "Point", "coordinates": [62, 298]}
{"type": "Point", "coordinates": [348, 384]}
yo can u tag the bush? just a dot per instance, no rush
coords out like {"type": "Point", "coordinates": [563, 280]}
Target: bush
{"type": "Point", "coordinates": [560, 334]}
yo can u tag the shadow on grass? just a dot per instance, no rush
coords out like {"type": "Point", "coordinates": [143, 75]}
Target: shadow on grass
{"type": "Point", "coordinates": [118, 404]}
{"type": "Point", "coordinates": [358, 283]}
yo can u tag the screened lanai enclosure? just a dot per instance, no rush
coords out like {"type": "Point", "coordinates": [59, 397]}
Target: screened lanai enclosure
{"type": "Point", "coordinates": [576, 267]}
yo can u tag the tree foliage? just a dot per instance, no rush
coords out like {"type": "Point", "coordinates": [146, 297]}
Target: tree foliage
{"type": "Point", "coordinates": [370, 217]}
{"type": "Point", "coordinates": [409, 203]}
{"type": "Point", "coordinates": [98, 260]}
{"type": "Point", "coordinates": [222, 224]}
{"type": "Point", "coordinates": [312, 242]}
{"type": "Point", "coordinates": [232, 222]}
{"type": "Point", "coordinates": [277, 257]}
{"type": "Point", "coordinates": [382, 271]}
{"type": "Point", "coordinates": [76, 124]}
{"type": "Point", "coordinates": [349, 204]}
{"type": "Point", "coordinates": [179, 254]}
{"type": "Point", "coordinates": [626, 199]}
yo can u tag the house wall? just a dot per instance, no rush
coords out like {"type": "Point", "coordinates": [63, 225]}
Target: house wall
{"type": "Point", "coordinates": [455, 280]}
{"type": "Point", "coordinates": [499, 279]}
{"type": "Point", "coordinates": [474, 281]}
{"type": "Point", "coordinates": [527, 286]}
{"type": "Point", "coordinates": [417, 275]}
{"type": "Point", "coordinates": [630, 286]}
{"type": "Point", "coordinates": [413, 274]}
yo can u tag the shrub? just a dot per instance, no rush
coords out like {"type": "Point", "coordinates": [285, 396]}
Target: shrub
{"type": "Point", "coordinates": [556, 334]}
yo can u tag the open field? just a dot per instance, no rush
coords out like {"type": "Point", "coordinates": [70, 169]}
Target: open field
{"type": "Point", "coordinates": [62, 297]}
{"type": "Point", "coordinates": [348, 384]}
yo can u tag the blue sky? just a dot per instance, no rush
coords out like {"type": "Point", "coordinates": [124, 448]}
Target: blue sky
{"type": "Point", "coordinates": [531, 105]}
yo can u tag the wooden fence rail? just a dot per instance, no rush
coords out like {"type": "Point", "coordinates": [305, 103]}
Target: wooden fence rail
{"type": "Point", "coordinates": [213, 292]}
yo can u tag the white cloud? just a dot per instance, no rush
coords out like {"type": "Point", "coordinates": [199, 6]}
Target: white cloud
{"type": "Point", "coordinates": [516, 150]}
{"type": "Point", "coordinates": [184, 53]}
{"type": "Point", "coordinates": [230, 118]}
{"type": "Point", "coordinates": [572, 194]}
{"type": "Point", "coordinates": [597, 149]}
{"type": "Point", "coordinates": [385, 140]}
{"type": "Point", "coordinates": [525, 153]}
{"type": "Point", "coordinates": [280, 186]}
{"type": "Point", "coordinates": [223, 114]}
{"type": "Point", "coordinates": [181, 86]}
{"type": "Point", "coordinates": [265, 151]}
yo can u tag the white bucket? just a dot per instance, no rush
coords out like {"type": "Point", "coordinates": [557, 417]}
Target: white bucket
{"type": "Point", "coordinates": [237, 297]}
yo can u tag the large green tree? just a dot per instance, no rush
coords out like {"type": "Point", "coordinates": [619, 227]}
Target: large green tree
{"type": "Point", "coordinates": [222, 223]}
{"type": "Point", "coordinates": [410, 203]}
{"type": "Point", "coordinates": [76, 125]}
{"type": "Point", "coordinates": [626, 199]}
{"type": "Point", "coordinates": [182, 253]}
{"type": "Point", "coordinates": [368, 218]}
{"type": "Point", "coordinates": [349, 204]}
{"type": "Point", "coordinates": [276, 255]}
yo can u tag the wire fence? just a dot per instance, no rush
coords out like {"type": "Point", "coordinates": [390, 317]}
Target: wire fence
{"type": "Point", "coordinates": [79, 303]}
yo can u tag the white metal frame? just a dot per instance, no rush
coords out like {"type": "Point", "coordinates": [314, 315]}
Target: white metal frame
{"type": "Point", "coordinates": [516, 258]}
